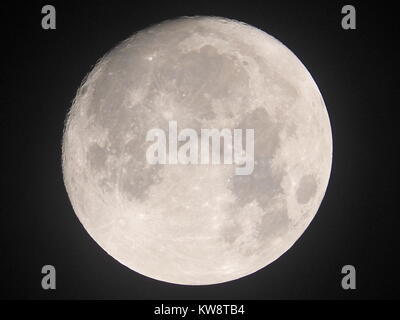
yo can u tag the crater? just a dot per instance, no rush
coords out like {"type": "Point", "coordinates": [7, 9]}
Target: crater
{"type": "Point", "coordinates": [84, 89]}
{"type": "Point", "coordinates": [102, 169]}
{"type": "Point", "coordinates": [307, 189]}
{"type": "Point", "coordinates": [97, 157]}
{"type": "Point", "coordinates": [137, 176]}
{"type": "Point", "coordinates": [231, 232]}
{"type": "Point", "coordinates": [136, 180]}
{"type": "Point", "coordinates": [273, 224]}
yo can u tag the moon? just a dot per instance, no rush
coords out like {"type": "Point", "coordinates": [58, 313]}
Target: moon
{"type": "Point", "coordinates": [185, 223]}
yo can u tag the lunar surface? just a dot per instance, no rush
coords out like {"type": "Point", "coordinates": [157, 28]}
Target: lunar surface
{"type": "Point", "coordinates": [185, 223]}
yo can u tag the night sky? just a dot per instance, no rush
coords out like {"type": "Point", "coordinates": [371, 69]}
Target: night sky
{"type": "Point", "coordinates": [356, 224]}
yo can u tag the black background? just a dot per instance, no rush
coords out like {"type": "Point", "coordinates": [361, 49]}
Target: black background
{"type": "Point", "coordinates": [356, 223]}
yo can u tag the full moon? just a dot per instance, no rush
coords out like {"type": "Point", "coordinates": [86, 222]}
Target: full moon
{"type": "Point", "coordinates": [188, 223]}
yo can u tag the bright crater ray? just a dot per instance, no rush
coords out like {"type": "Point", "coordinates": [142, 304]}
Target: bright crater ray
{"type": "Point", "coordinates": [197, 224]}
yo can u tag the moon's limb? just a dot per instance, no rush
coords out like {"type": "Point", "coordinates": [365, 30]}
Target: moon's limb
{"type": "Point", "coordinates": [202, 224]}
